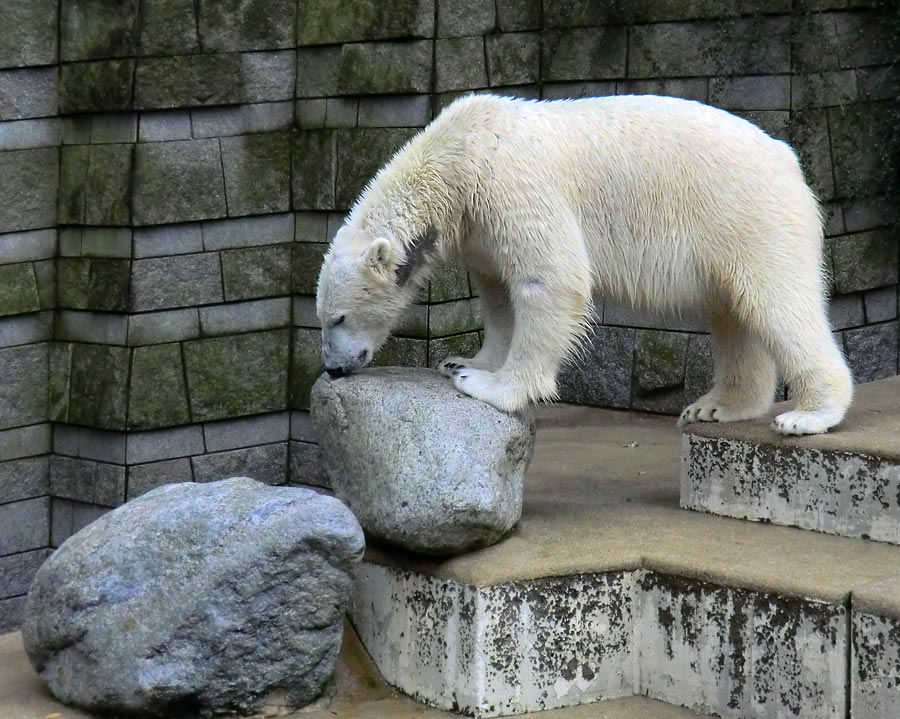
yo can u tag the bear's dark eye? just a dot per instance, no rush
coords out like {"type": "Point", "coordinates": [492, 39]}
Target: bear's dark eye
{"type": "Point", "coordinates": [339, 320]}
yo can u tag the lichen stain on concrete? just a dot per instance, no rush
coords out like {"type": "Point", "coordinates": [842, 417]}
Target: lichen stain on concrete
{"type": "Point", "coordinates": [840, 493]}
{"type": "Point", "coordinates": [875, 673]}
{"type": "Point", "coordinates": [563, 641]}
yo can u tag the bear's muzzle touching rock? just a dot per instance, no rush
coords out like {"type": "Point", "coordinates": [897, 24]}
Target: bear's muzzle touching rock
{"type": "Point", "coordinates": [195, 600]}
{"type": "Point", "coordinates": [422, 465]}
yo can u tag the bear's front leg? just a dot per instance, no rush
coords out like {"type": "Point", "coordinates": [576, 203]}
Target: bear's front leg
{"type": "Point", "coordinates": [497, 315]}
{"type": "Point", "coordinates": [548, 321]}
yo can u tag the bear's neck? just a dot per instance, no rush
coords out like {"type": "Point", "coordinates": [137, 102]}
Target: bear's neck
{"type": "Point", "coordinates": [421, 189]}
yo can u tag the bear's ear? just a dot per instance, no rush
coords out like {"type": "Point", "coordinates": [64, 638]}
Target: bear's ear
{"type": "Point", "coordinates": [378, 254]}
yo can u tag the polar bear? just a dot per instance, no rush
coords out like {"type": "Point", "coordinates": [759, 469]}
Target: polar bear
{"type": "Point", "coordinates": [654, 202]}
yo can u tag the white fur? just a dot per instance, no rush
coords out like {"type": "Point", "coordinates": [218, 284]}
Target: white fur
{"type": "Point", "coordinates": [655, 202]}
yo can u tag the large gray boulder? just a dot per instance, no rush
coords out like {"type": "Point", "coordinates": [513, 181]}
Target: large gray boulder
{"type": "Point", "coordinates": [422, 465]}
{"type": "Point", "coordinates": [195, 599]}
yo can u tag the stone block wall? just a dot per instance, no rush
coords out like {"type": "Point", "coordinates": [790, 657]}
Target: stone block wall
{"type": "Point", "coordinates": [172, 171]}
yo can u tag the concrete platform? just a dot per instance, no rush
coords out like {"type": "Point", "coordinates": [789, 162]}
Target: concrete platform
{"type": "Point", "coordinates": [608, 588]}
{"type": "Point", "coordinates": [846, 482]}
{"type": "Point", "coordinates": [359, 693]}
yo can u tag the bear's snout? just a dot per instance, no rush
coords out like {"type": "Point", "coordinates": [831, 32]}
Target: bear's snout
{"type": "Point", "coordinates": [335, 372]}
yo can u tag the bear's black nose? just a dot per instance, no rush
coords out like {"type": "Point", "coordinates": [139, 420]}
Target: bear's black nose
{"type": "Point", "coordinates": [335, 371]}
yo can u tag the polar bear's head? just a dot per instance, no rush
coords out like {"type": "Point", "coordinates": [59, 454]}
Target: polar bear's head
{"type": "Point", "coordinates": [364, 286]}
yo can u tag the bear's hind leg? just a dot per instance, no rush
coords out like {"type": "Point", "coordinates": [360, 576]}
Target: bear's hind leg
{"type": "Point", "coordinates": [497, 315]}
{"type": "Point", "coordinates": [744, 376]}
{"type": "Point", "coordinates": [812, 365]}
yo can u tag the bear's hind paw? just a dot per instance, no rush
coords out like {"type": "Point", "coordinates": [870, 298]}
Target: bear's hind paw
{"type": "Point", "coordinates": [806, 422]}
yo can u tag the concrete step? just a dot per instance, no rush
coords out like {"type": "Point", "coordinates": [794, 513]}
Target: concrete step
{"type": "Point", "coordinates": [846, 482]}
{"type": "Point", "coordinates": [358, 693]}
{"type": "Point", "coordinates": [607, 589]}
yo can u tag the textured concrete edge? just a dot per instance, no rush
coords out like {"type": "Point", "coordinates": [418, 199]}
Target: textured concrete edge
{"type": "Point", "coordinates": [564, 641]}
{"type": "Point", "coordinates": [793, 486]}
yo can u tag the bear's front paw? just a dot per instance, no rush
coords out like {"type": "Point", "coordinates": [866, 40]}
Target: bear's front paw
{"type": "Point", "coordinates": [806, 422]}
{"type": "Point", "coordinates": [487, 387]}
{"type": "Point", "coordinates": [452, 364]}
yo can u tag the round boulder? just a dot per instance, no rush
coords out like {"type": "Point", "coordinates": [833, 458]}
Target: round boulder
{"type": "Point", "coordinates": [422, 466]}
{"type": "Point", "coordinates": [196, 599]}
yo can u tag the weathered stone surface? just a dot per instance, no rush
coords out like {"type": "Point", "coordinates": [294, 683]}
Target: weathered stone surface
{"type": "Point", "coordinates": [458, 18]}
{"type": "Point", "coordinates": [317, 71]}
{"type": "Point", "coordinates": [246, 432]}
{"type": "Point", "coordinates": [846, 311]}
{"type": "Point", "coordinates": [245, 316]}
{"type": "Point", "coordinates": [314, 169]}
{"type": "Point", "coordinates": [248, 232]}
{"type": "Point", "coordinates": [168, 27]}
{"type": "Point", "coordinates": [460, 64]}
{"type": "Point", "coordinates": [18, 289]}
{"type": "Point", "coordinates": [144, 477]}
{"type": "Point", "coordinates": [595, 54]}
{"type": "Point", "coordinates": [881, 304]}
{"type": "Point", "coordinates": [333, 21]}
{"type": "Point", "coordinates": [402, 352]}
{"type": "Point", "coordinates": [864, 142]}
{"type": "Point", "coordinates": [727, 47]}
{"type": "Point", "coordinates": [306, 465]}
{"type": "Point", "coordinates": [115, 127]}
{"type": "Point", "coordinates": [98, 386]}
{"type": "Point", "coordinates": [28, 184]}
{"type": "Point", "coordinates": [163, 444]}
{"type": "Point", "coordinates": [179, 571]}
{"type": "Point", "coordinates": [360, 154]}
{"type": "Point", "coordinates": [17, 571]}
{"type": "Point", "coordinates": [168, 240]}
{"type": "Point", "coordinates": [93, 284]}
{"type": "Point", "coordinates": [257, 272]}
{"type": "Point", "coordinates": [541, 644]}
{"type": "Point", "coordinates": [86, 480]}
{"type": "Point", "coordinates": [178, 182]}
{"type": "Point", "coordinates": [267, 464]}
{"type": "Point", "coordinates": [874, 662]}
{"type": "Point", "coordinates": [241, 119]}
{"type": "Point", "coordinates": [872, 351]}
{"type": "Point", "coordinates": [184, 280]}
{"type": "Point", "coordinates": [73, 172]}
{"type": "Point", "coordinates": [29, 93]}
{"type": "Point", "coordinates": [227, 25]}
{"type": "Point", "coordinates": [234, 376]}
{"type": "Point", "coordinates": [97, 29]}
{"type": "Point", "coordinates": [157, 394]}
{"type": "Point", "coordinates": [33, 42]}
{"type": "Point", "coordinates": [864, 260]}
{"type": "Point", "coordinates": [69, 517]}
{"type": "Point", "coordinates": [26, 134]}
{"type": "Point", "coordinates": [158, 327]}
{"type": "Point", "coordinates": [738, 653]}
{"type": "Point", "coordinates": [423, 484]}
{"type": "Point", "coordinates": [187, 80]}
{"type": "Point", "coordinates": [257, 173]}
{"type": "Point", "coordinates": [306, 365]}
{"type": "Point", "coordinates": [379, 68]}
{"type": "Point", "coordinates": [165, 125]}
{"type": "Point", "coordinates": [603, 377]}
{"type": "Point", "coordinates": [450, 318]}
{"type": "Point", "coordinates": [24, 479]}
{"type": "Point", "coordinates": [513, 58]}
{"type": "Point", "coordinates": [659, 369]}
{"type": "Point", "coordinates": [809, 136]}
{"type": "Point", "coordinates": [761, 92]}
{"type": "Point", "coordinates": [822, 89]}
{"type": "Point", "coordinates": [403, 111]}
{"type": "Point", "coordinates": [268, 76]}
{"type": "Point", "coordinates": [24, 525]}
{"type": "Point", "coordinates": [514, 15]}
{"type": "Point", "coordinates": [792, 486]}
{"type": "Point", "coordinates": [307, 262]}
{"type": "Point", "coordinates": [23, 385]}
{"type": "Point", "coordinates": [108, 189]}
{"type": "Point", "coordinates": [493, 651]}
{"type": "Point", "coordinates": [102, 86]}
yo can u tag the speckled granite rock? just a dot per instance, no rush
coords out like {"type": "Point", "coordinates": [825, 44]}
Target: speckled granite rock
{"type": "Point", "coordinates": [421, 465]}
{"type": "Point", "coordinates": [195, 599]}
